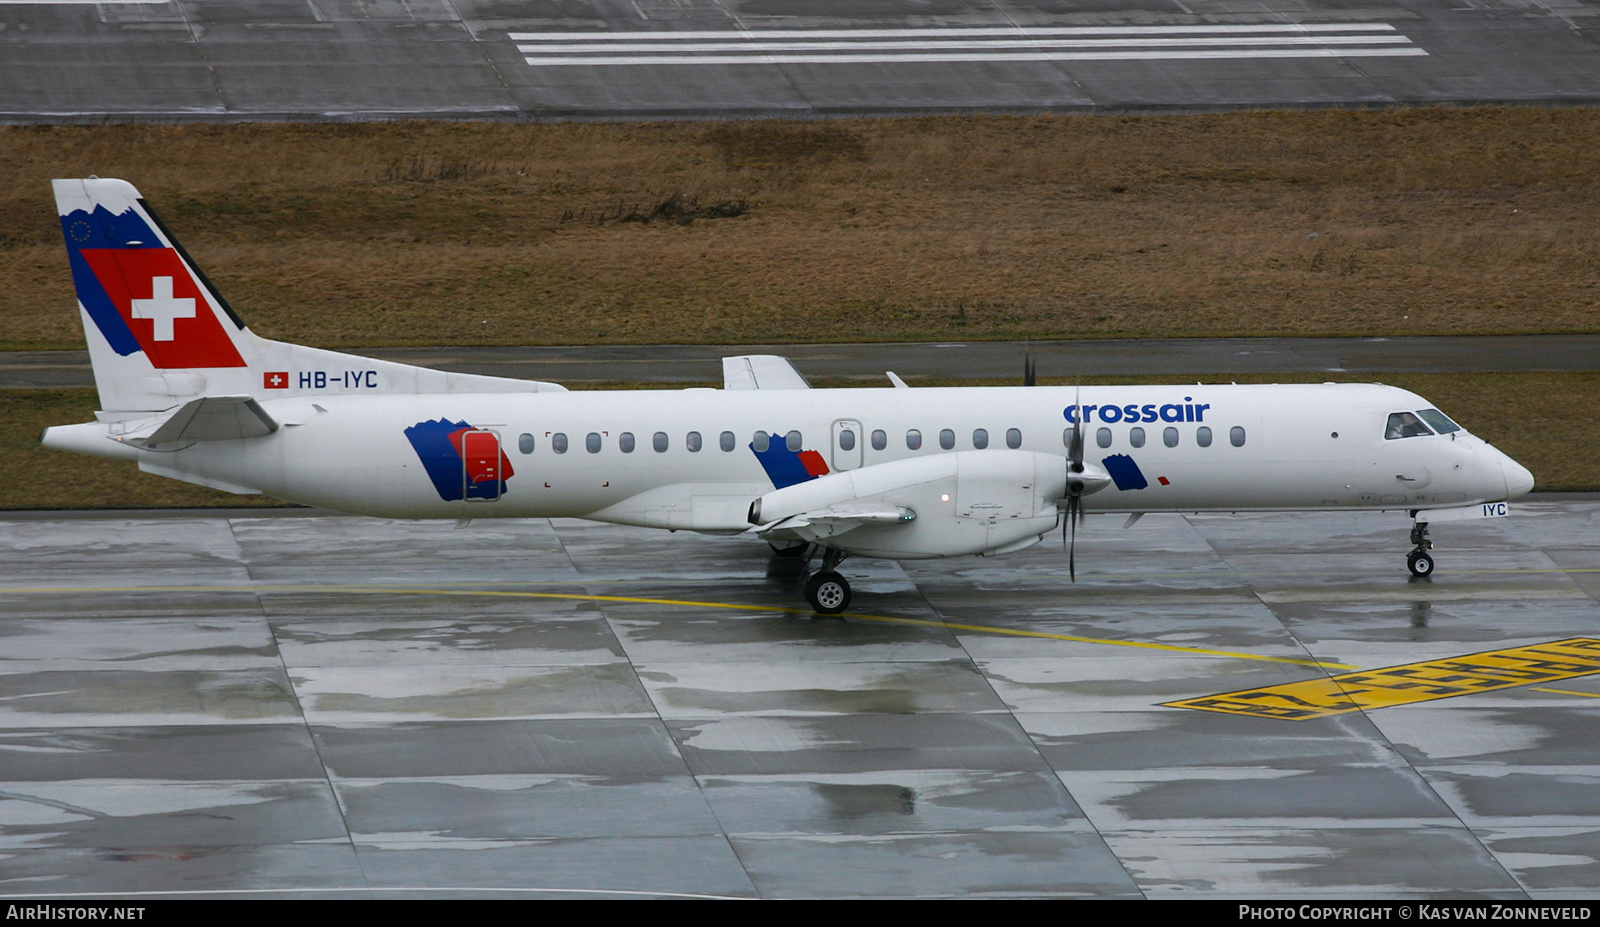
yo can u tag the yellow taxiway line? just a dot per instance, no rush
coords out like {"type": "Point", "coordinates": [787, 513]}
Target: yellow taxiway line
{"type": "Point", "coordinates": [686, 603]}
{"type": "Point", "coordinates": [1321, 697]}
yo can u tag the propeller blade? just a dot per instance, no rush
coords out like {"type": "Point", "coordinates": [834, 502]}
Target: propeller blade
{"type": "Point", "coordinates": [1075, 452]}
{"type": "Point", "coordinates": [1074, 513]}
{"type": "Point", "coordinates": [1030, 373]}
{"type": "Point", "coordinates": [1075, 486]}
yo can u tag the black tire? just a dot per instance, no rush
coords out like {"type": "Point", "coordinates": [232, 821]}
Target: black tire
{"type": "Point", "coordinates": [1420, 563]}
{"type": "Point", "coordinates": [828, 593]}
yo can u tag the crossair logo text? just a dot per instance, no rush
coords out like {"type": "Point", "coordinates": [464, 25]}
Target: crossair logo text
{"type": "Point", "coordinates": [1186, 411]}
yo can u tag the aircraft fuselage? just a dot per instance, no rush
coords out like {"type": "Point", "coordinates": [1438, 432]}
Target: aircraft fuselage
{"type": "Point", "coordinates": [1266, 447]}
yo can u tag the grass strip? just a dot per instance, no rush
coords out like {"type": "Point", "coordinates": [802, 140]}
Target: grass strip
{"type": "Point", "coordinates": [1391, 222]}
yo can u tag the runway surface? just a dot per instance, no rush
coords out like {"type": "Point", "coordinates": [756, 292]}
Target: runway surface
{"type": "Point", "coordinates": [244, 60]}
{"type": "Point", "coordinates": [292, 704]}
{"type": "Point", "coordinates": [593, 364]}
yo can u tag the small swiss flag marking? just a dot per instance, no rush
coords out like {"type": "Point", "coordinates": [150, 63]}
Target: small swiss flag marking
{"type": "Point", "coordinates": [275, 379]}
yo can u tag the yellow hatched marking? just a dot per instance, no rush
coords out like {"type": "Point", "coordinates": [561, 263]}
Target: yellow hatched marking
{"type": "Point", "coordinates": [1409, 683]}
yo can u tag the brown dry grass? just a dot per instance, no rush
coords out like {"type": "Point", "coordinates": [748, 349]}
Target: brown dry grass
{"type": "Point", "coordinates": [1548, 421]}
{"type": "Point", "coordinates": [1424, 221]}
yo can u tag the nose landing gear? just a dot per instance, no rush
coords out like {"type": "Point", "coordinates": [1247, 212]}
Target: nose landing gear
{"type": "Point", "coordinates": [1420, 560]}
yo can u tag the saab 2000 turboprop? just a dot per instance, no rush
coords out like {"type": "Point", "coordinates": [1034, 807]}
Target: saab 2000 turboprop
{"type": "Point", "coordinates": [190, 393]}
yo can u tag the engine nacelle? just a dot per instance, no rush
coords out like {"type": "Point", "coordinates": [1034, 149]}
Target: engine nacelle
{"type": "Point", "coordinates": [972, 502]}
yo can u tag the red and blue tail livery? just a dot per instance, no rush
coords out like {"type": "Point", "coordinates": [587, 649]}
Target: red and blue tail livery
{"type": "Point", "coordinates": [141, 294]}
{"type": "Point", "coordinates": [463, 462]}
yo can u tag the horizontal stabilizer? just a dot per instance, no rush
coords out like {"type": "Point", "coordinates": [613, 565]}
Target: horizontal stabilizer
{"type": "Point", "coordinates": [761, 371]}
{"type": "Point", "coordinates": [212, 418]}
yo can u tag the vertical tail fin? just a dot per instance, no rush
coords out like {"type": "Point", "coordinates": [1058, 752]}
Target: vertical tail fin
{"type": "Point", "coordinates": [160, 335]}
{"type": "Point", "coordinates": [157, 330]}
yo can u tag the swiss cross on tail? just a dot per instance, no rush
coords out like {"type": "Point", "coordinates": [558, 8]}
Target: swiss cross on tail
{"type": "Point", "coordinates": [163, 308]}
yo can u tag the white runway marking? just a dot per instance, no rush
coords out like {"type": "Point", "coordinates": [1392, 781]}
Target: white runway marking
{"type": "Point", "coordinates": [864, 46]}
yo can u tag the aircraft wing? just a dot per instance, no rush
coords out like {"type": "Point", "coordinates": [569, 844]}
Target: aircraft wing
{"type": "Point", "coordinates": [835, 520]}
{"type": "Point", "coordinates": [761, 371]}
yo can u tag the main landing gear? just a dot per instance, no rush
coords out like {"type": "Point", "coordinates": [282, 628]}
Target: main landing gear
{"type": "Point", "coordinates": [1420, 560]}
{"type": "Point", "coordinates": [828, 591]}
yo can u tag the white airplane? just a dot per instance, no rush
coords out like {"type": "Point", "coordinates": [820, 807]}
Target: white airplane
{"type": "Point", "coordinates": [190, 393]}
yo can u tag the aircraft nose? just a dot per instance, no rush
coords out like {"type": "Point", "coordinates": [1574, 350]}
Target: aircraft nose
{"type": "Point", "coordinates": [1519, 481]}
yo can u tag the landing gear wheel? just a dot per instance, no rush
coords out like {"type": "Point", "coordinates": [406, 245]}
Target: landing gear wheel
{"type": "Point", "coordinates": [828, 593]}
{"type": "Point", "coordinates": [1420, 562]}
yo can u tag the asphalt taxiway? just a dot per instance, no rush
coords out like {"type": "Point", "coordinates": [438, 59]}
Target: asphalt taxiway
{"type": "Point", "coordinates": [297, 704]}
{"type": "Point", "coordinates": [1180, 358]}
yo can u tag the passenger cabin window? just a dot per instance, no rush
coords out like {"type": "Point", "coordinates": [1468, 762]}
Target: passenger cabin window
{"type": "Point", "coordinates": [525, 444]}
{"type": "Point", "coordinates": [847, 440]}
{"type": "Point", "coordinates": [1013, 438]}
{"type": "Point", "coordinates": [726, 440]}
{"type": "Point", "coordinates": [1202, 436]}
{"type": "Point", "coordinates": [1066, 436]}
{"type": "Point", "coordinates": [659, 441]}
{"type": "Point", "coordinates": [980, 438]}
{"type": "Point", "coordinates": [1136, 437]}
{"type": "Point", "coordinates": [913, 440]}
{"type": "Point", "coordinates": [947, 439]}
{"type": "Point", "coordinates": [1236, 436]}
{"type": "Point", "coordinates": [793, 441]}
{"type": "Point", "coordinates": [1405, 425]}
{"type": "Point", "coordinates": [625, 442]}
{"type": "Point", "coordinates": [880, 439]}
{"type": "Point", "coordinates": [1103, 437]}
{"type": "Point", "coordinates": [761, 441]}
{"type": "Point", "coordinates": [1169, 436]}
{"type": "Point", "coordinates": [692, 442]}
{"type": "Point", "coordinates": [591, 442]}
{"type": "Point", "coordinates": [1440, 421]}
{"type": "Point", "coordinates": [558, 443]}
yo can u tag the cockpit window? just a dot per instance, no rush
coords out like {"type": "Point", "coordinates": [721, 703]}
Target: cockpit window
{"type": "Point", "coordinates": [1405, 425]}
{"type": "Point", "coordinates": [1440, 421]}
